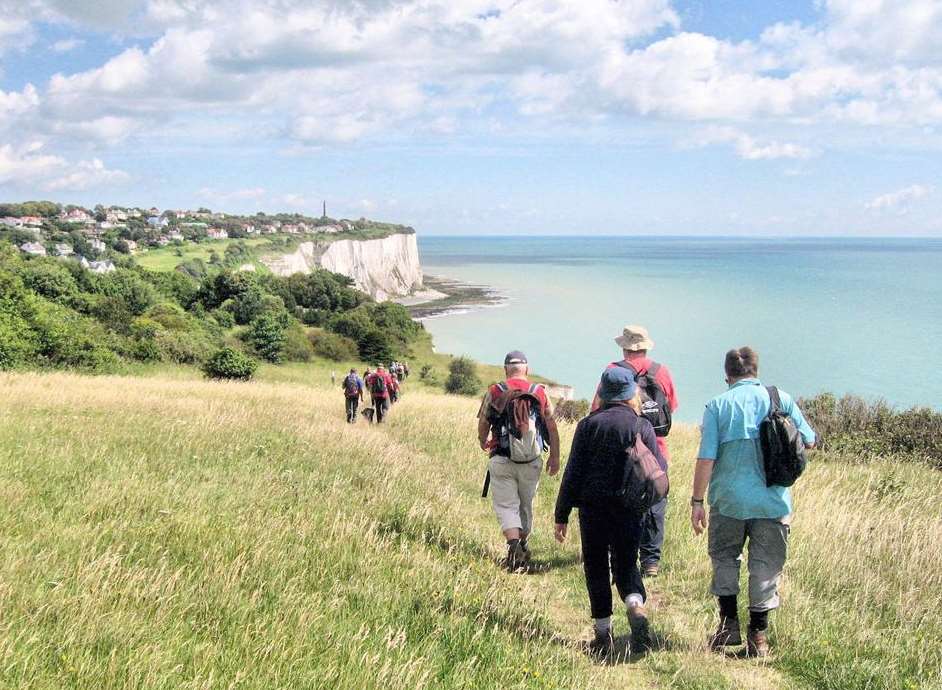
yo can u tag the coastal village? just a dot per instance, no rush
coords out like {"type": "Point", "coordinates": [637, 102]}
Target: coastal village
{"type": "Point", "coordinates": [94, 236]}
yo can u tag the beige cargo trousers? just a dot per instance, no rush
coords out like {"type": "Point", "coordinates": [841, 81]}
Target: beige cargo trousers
{"type": "Point", "coordinates": [513, 486]}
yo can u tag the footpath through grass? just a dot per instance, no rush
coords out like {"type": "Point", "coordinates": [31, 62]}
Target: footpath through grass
{"type": "Point", "coordinates": [166, 532]}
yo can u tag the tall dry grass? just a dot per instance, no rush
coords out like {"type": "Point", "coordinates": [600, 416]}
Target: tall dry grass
{"type": "Point", "coordinates": [173, 533]}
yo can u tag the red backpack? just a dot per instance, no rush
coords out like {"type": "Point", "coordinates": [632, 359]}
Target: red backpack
{"type": "Point", "coordinates": [350, 386]}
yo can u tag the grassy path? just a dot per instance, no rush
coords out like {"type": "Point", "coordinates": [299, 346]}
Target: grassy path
{"type": "Point", "coordinates": [174, 533]}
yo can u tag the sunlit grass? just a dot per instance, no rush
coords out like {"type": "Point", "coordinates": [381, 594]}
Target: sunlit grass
{"type": "Point", "coordinates": [168, 532]}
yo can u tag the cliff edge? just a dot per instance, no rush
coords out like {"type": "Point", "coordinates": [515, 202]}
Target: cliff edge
{"type": "Point", "coordinates": [384, 268]}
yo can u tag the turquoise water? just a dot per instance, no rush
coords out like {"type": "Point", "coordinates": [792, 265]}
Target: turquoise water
{"type": "Point", "coordinates": [860, 316]}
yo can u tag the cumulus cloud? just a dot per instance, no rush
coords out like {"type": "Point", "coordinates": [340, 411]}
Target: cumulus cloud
{"type": "Point", "coordinates": [325, 72]}
{"type": "Point", "coordinates": [749, 148]}
{"type": "Point", "coordinates": [27, 165]}
{"type": "Point", "coordinates": [899, 200]}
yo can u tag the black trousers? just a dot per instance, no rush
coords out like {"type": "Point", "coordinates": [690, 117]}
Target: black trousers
{"type": "Point", "coordinates": [609, 528]}
{"type": "Point", "coordinates": [352, 405]}
{"type": "Point", "coordinates": [381, 405]}
{"type": "Point", "coordinates": [652, 533]}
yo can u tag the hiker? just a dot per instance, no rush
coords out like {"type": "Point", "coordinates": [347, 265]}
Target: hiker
{"type": "Point", "coordinates": [609, 529]}
{"type": "Point", "coordinates": [353, 393]}
{"type": "Point", "coordinates": [379, 384]}
{"type": "Point", "coordinates": [516, 447]}
{"type": "Point", "coordinates": [742, 508]}
{"type": "Point", "coordinates": [333, 378]}
{"type": "Point", "coordinates": [657, 386]}
{"type": "Point", "coordinates": [394, 389]}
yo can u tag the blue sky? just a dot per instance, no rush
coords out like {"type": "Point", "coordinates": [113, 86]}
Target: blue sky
{"type": "Point", "coordinates": [815, 117]}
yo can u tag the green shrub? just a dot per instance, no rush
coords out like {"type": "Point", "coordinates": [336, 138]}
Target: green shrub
{"type": "Point", "coordinates": [68, 339]}
{"type": "Point", "coordinates": [17, 341]}
{"type": "Point", "coordinates": [266, 335]}
{"type": "Point", "coordinates": [375, 347]}
{"type": "Point", "coordinates": [130, 289]}
{"type": "Point", "coordinates": [224, 317]}
{"type": "Point", "coordinates": [856, 428]}
{"type": "Point", "coordinates": [334, 347]}
{"type": "Point", "coordinates": [429, 375]}
{"type": "Point", "coordinates": [571, 410]}
{"type": "Point", "coordinates": [183, 347]}
{"type": "Point", "coordinates": [462, 377]}
{"type": "Point", "coordinates": [50, 279]}
{"type": "Point", "coordinates": [229, 363]}
{"type": "Point", "coordinates": [297, 346]}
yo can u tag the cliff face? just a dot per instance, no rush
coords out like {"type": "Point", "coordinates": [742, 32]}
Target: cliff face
{"type": "Point", "coordinates": [382, 268]}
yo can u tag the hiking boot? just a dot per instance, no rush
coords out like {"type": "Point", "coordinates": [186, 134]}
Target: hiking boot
{"type": "Point", "coordinates": [526, 554]}
{"type": "Point", "coordinates": [602, 645]}
{"type": "Point", "coordinates": [727, 634]}
{"type": "Point", "coordinates": [757, 643]}
{"type": "Point", "coordinates": [515, 556]}
{"type": "Point", "coordinates": [649, 570]}
{"type": "Point", "coordinates": [640, 632]}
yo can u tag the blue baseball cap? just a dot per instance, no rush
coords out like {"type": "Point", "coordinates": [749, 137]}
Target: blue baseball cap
{"type": "Point", "coordinates": [617, 384]}
{"type": "Point", "coordinates": [515, 357]}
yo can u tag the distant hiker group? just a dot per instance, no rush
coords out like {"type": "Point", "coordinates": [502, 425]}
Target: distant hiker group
{"type": "Point", "coordinates": [752, 448]}
{"type": "Point", "coordinates": [384, 386]}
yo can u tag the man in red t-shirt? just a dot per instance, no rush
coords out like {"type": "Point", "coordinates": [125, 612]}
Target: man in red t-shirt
{"type": "Point", "coordinates": [514, 480]}
{"type": "Point", "coordinates": [635, 343]}
{"type": "Point", "coordinates": [380, 385]}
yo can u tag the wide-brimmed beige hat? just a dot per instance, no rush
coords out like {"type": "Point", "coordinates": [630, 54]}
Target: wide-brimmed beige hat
{"type": "Point", "coordinates": [635, 338]}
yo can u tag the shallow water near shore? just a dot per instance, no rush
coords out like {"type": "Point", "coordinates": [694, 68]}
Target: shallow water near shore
{"type": "Point", "coordinates": [860, 316]}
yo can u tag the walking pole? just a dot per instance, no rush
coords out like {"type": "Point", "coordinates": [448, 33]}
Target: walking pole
{"type": "Point", "coordinates": [487, 483]}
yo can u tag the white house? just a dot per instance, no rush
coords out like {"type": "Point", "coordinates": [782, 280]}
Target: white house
{"type": "Point", "coordinates": [33, 248]}
{"type": "Point", "coordinates": [158, 221]}
{"type": "Point", "coordinates": [64, 250]}
{"type": "Point", "coordinates": [329, 228]}
{"type": "Point", "coordinates": [101, 266]}
{"type": "Point", "coordinates": [76, 215]}
{"type": "Point", "coordinates": [116, 215]}
{"type": "Point", "coordinates": [98, 245]}
{"type": "Point", "coordinates": [217, 234]}
{"type": "Point", "coordinates": [176, 236]}
{"type": "Point", "coordinates": [12, 222]}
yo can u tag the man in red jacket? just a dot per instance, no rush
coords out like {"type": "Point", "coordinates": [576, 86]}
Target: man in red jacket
{"type": "Point", "coordinates": [635, 343]}
{"type": "Point", "coordinates": [380, 385]}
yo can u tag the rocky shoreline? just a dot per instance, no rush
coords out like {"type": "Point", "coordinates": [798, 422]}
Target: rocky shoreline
{"type": "Point", "coordinates": [442, 296]}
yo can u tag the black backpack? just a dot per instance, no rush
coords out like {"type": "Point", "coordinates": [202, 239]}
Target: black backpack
{"type": "Point", "coordinates": [378, 385]}
{"type": "Point", "coordinates": [654, 403]}
{"type": "Point", "coordinates": [783, 449]}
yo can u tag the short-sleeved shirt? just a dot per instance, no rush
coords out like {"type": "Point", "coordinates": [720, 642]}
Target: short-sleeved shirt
{"type": "Point", "coordinates": [664, 380]}
{"type": "Point", "coordinates": [730, 438]}
{"type": "Point", "coordinates": [521, 384]}
{"type": "Point", "coordinates": [358, 380]}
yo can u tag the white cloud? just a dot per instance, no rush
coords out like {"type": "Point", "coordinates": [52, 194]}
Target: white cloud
{"type": "Point", "coordinates": [899, 200]}
{"type": "Point", "coordinates": [67, 44]}
{"type": "Point", "coordinates": [749, 148]}
{"type": "Point", "coordinates": [28, 166]}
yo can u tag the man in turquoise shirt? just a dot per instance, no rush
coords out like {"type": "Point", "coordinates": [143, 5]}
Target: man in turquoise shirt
{"type": "Point", "coordinates": [742, 507]}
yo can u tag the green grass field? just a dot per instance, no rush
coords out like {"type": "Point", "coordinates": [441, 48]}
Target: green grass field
{"type": "Point", "coordinates": [167, 259]}
{"type": "Point", "coordinates": [163, 531]}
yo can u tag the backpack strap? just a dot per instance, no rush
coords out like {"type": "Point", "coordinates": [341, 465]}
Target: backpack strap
{"type": "Point", "coordinates": [775, 399]}
{"type": "Point", "coordinates": [653, 369]}
{"type": "Point", "coordinates": [624, 365]}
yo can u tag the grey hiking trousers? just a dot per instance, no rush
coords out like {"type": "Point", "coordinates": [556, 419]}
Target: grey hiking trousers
{"type": "Point", "coordinates": [768, 541]}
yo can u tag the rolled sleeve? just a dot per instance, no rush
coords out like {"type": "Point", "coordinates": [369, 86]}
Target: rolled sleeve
{"type": "Point", "coordinates": [793, 411]}
{"type": "Point", "coordinates": [709, 435]}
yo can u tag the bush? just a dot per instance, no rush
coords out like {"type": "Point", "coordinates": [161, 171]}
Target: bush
{"type": "Point", "coordinates": [571, 410]}
{"type": "Point", "coordinates": [224, 317]}
{"type": "Point", "coordinates": [375, 347]}
{"type": "Point", "coordinates": [229, 363]}
{"type": "Point", "coordinates": [334, 347]}
{"type": "Point", "coordinates": [855, 427]}
{"type": "Point", "coordinates": [17, 342]}
{"type": "Point", "coordinates": [130, 289]}
{"type": "Point", "coordinates": [297, 347]}
{"type": "Point", "coordinates": [462, 377]}
{"type": "Point", "coordinates": [429, 375]}
{"type": "Point", "coordinates": [266, 334]}
{"type": "Point", "coordinates": [50, 279]}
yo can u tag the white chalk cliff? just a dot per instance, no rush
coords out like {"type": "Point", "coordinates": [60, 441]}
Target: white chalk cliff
{"type": "Point", "coordinates": [383, 268]}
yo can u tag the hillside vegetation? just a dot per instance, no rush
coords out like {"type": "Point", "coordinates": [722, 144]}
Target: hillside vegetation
{"type": "Point", "coordinates": [169, 532]}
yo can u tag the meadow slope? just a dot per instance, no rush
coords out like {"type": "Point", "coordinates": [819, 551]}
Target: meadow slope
{"type": "Point", "coordinates": [168, 532]}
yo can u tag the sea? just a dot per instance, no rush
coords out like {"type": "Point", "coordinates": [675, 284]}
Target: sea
{"type": "Point", "coordinates": [846, 316]}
